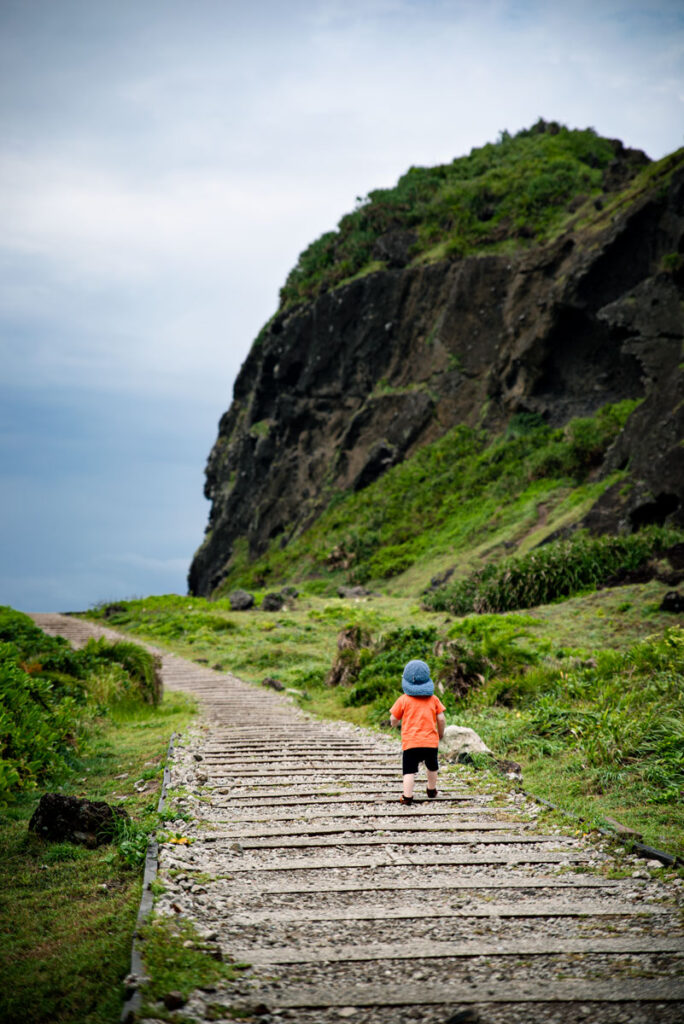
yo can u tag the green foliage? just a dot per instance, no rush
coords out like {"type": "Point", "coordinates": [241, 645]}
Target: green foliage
{"type": "Point", "coordinates": [556, 570]}
{"type": "Point", "coordinates": [132, 839]}
{"type": "Point", "coordinates": [69, 911]}
{"type": "Point", "coordinates": [619, 716]}
{"type": "Point", "coordinates": [379, 677]}
{"type": "Point", "coordinates": [50, 693]}
{"type": "Point", "coordinates": [141, 667]}
{"type": "Point", "coordinates": [472, 652]}
{"type": "Point", "coordinates": [519, 188]}
{"type": "Point", "coordinates": [37, 727]}
{"type": "Point", "coordinates": [171, 617]}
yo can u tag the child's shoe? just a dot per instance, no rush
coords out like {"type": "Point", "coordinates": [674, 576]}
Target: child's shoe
{"type": "Point", "coordinates": [407, 800]}
{"type": "Point", "coordinates": [432, 793]}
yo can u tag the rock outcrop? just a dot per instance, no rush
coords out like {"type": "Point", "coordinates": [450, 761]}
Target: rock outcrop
{"type": "Point", "coordinates": [90, 822]}
{"type": "Point", "coordinates": [336, 391]}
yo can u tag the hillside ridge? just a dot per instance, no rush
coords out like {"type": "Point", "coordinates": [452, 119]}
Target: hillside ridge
{"type": "Point", "coordinates": [339, 388]}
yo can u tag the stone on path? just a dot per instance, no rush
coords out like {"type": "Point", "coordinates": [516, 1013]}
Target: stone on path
{"type": "Point", "coordinates": [459, 740]}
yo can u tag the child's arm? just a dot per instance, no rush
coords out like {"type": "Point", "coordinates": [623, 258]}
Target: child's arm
{"type": "Point", "coordinates": [441, 724]}
{"type": "Point", "coordinates": [394, 722]}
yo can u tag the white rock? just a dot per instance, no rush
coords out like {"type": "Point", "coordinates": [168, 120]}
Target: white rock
{"type": "Point", "coordinates": [458, 739]}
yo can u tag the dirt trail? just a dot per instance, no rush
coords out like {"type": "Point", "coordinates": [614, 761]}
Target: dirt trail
{"type": "Point", "coordinates": [349, 906]}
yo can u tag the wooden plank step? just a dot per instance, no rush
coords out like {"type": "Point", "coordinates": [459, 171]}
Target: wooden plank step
{"type": "Point", "coordinates": [423, 812]}
{"type": "Point", "coordinates": [225, 801]}
{"type": "Point", "coordinates": [301, 765]}
{"type": "Point", "coordinates": [426, 860]}
{"type": "Point", "coordinates": [420, 839]}
{"type": "Point", "coordinates": [303, 774]}
{"type": "Point", "coordinates": [362, 952]}
{"type": "Point", "coordinates": [291, 753]}
{"type": "Point", "coordinates": [312, 829]}
{"type": "Point", "coordinates": [437, 883]}
{"type": "Point", "coordinates": [548, 908]}
{"type": "Point", "coordinates": [353, 796]}
{"type": "Point", "coordinates": [614, 990]}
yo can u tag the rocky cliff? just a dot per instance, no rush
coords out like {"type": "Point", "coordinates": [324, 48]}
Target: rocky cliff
{"type": "Point", "coordinates": [338, 389]}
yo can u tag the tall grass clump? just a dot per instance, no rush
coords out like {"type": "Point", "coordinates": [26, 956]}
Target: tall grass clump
{"type": "Point", "coordinates": [369, 669]}
{"type": "Point", "coordinates": [556, 570]}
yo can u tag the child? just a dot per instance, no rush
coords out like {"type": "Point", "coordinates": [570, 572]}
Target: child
{"type": "Point", "coordinates": [421, 717]}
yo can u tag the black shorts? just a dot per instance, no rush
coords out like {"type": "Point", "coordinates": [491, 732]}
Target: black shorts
{"type": "Point", "coordinates": [412, 758]}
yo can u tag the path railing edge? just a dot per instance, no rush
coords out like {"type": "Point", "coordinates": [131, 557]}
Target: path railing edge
{"type": "Point", "coordinates": [136, 976]}
{"type": "Point", "coordinates": [647, 852]}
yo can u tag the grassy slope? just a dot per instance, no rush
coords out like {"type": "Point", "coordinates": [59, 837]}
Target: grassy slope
{"type": "Point", "coordinates": [68, 912]}
{"type": "Point", "coordinates": [460, 501]}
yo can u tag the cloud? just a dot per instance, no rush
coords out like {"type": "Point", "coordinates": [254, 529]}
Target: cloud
{"type": "Point", "coordinates": [162, 166]}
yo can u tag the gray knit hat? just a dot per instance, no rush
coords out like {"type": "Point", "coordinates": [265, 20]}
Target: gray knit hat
{"type": "Point", "coordinates": [416, 680]}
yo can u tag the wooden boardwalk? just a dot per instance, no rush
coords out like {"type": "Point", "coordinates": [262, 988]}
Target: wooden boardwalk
{"type": "Point", "coordinates": [349, 906]}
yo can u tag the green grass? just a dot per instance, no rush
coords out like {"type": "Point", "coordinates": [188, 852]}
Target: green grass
{"type": "Point", "coordinates": [459, 500]}
{"type": "Point", "coordinates": [67, 913]}
{"type": "Point", "coordinates": [178, 959]}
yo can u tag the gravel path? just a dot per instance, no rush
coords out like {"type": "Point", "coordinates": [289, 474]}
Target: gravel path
{"type": "Point", "coordinates": [349, 906]}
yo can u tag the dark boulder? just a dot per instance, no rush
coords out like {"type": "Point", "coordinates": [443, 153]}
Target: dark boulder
{"type": "Point", "coordinates": [272, 684]}
{"type": "Point", "coordinates": [395, 248]}
{"type": "Point", "coordinates": [240, 600]}
{"type": "Point", "coordinates": [69, 818]}
{"type": "Point", "coordinates": [272, 602]}
{"type": "Point", "coordinates": [353, 592]}
{"type": "Point", "coordinates": [113, 609]}
{"type": "Point", "coordinates": [672, 602]}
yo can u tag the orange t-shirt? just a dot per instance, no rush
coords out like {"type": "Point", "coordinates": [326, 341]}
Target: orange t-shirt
{"type": "Point", "coordinates": [418, 720]}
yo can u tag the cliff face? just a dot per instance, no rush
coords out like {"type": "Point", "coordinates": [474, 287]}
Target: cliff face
{"type": "Point", "coordinates": [337, 390]}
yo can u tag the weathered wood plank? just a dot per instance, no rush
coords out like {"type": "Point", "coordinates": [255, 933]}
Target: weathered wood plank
{"type": "Point", "coordinates": [363, 952]}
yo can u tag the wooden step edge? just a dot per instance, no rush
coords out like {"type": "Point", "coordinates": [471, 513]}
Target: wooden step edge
{"type": "Point", "coordinates": [452, 996]}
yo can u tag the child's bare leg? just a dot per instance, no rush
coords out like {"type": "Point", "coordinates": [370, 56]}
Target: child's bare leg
{"type": "Point", "coordinates": [432, 780]}
{"type": "Point", "coordinates": [409, 783]}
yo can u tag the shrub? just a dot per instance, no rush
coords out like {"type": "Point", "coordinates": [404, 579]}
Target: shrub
{"type": "Point", "coordinates": [38, 727]}
{"type": "Point", "coordinates": [380, 672]}
{"type": "Point", "coordinates": [49, 693]}
{"type": "Point", "coordinates": [556, 570]}
{"type": "Point", "coordinates": [142, 668]}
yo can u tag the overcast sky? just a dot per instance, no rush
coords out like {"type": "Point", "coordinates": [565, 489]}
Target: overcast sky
{"type": "Point", "coordinates": [163, 163]}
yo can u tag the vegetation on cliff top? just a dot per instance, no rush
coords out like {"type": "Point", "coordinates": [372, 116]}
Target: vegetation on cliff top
{"type": "Point", "coordinates": [521, 188]}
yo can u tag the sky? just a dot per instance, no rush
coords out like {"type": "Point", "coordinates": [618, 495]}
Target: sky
{"type": "Point", "coordinates": [162, 165]}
